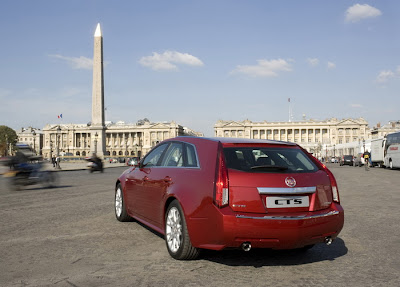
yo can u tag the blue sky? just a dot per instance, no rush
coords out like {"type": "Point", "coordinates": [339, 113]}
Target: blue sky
{"type": "Point", "coordinates": [197, 62]}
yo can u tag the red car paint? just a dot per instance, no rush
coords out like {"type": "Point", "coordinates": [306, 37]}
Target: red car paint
{"type": "Point", "coordinates": [200, 191]}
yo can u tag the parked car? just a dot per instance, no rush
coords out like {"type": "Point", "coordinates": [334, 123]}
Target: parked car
{"type": "Point", "coordinates": [334, 160]}
{"type": "Point", "coordinates": [346, 160]}
{"type": "Point", "coordinates": [217, 193]}
{"type": "Point", "coordinates": [358, 160]}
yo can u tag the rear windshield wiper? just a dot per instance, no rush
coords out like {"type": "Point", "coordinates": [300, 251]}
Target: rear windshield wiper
{"type": "Point", "coordinates": [269, 167]}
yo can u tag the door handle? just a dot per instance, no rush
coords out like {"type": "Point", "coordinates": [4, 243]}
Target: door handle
{"type": "Point", "coordinates": [168, 179]}
{"type": "Point", "coordinates": [145, 178]}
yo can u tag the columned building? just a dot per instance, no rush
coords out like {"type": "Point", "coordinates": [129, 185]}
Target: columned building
{"type": "Point", "coordinates": [315, 136]}
{"type": "Point", "coordinates": [121, 139]}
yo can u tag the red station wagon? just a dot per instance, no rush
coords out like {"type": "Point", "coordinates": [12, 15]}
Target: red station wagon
{"type": "Point", "coordinates": [215, 193]}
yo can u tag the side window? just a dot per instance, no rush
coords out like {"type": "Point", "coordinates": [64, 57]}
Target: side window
{"type": "Point", "coordinates": [191, 156]}
{"type": "Point", "coordinates": [154, 156]}
{"type": "Point", "coordinates": [173, 156]}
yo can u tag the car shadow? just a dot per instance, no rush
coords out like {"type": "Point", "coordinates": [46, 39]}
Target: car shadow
{"type": "Point", "coordinates": [258, 257]}
{"type": "Point", "coordinates": [268, 257]}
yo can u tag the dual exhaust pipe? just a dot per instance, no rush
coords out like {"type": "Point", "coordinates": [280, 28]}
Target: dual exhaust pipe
{"type": "Point", "coordinates": [328, 240]}
{"type": "Point", "coordinates": [246, 246]}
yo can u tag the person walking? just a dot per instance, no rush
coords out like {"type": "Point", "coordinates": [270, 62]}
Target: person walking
{"type": "Point", "coordinates": [366, 157]}
{"type": "Point", "coordinates": [58, 162]}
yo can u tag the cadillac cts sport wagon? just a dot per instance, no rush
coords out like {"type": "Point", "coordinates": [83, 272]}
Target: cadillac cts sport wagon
{"type": "Point", "coordinates": [216, 193]}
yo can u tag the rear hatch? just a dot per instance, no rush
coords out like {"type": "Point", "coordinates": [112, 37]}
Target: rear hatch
{"type": "Point", "coordinates": [275, 178]}
{"type": "Point", "coordinates": [348, 158]}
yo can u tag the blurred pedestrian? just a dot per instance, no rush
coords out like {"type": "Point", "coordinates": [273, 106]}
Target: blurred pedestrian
{"type": "Point", "coordinates": [58, 162]}
{"type": "Point", "coordinates": [366, 157]}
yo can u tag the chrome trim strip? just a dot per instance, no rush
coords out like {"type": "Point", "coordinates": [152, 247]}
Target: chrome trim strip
{"type": "Point", "coordinates": [287, 190]}
{"type": "Point", "coordinates": [302, 217]}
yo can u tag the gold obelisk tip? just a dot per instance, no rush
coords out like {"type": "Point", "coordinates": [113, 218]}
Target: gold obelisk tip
{"type": "Point", "coordinates": [98, 31]}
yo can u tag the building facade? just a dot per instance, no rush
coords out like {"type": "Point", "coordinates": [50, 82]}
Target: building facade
{"type": "Point", "coordinates": [32, 137]}
{"type": "Point", "coordinates": [381, 131]}
{"type": "Point", "coordinates": [315, 136]}
{"type": "Point", "coordinates": [121, 139]}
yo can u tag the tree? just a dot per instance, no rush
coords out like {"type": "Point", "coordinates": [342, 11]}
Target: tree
{"type": "Point", "coordinates": [7, 136]}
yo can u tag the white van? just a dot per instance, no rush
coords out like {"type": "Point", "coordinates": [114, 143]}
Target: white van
{"type": "Point", "coordinates": [378, 152]}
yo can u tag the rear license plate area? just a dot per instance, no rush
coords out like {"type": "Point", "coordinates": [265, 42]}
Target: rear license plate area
{"type": "Point", "coordinates": [287, 201]}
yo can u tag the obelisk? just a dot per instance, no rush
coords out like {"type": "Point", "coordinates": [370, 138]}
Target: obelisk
{"type": "Point", "coordinates": [98, 143]}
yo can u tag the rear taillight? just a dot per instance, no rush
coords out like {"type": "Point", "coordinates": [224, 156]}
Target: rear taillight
{"type": "Point", "coordinates": [335, 190]}
{"type": "Point", "coordinates": [221, 189]}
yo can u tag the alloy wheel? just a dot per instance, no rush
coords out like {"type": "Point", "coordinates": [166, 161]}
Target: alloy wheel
{"type": "Point", "coordinates": [174, 229]}
{"type": "Point", "coordinates": [118, 202]}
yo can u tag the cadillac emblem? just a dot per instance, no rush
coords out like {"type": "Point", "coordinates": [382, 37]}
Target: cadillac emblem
{"type": "Point", "coordinates": [290, 181]}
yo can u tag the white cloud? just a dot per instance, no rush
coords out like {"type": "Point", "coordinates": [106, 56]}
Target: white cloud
{"type": "Point", "coordinates": [384, 76]}
{"type": "Point", "coordinates": [169, 60]}
{"type": "Point", "coordinates": [358, 12]}
{"type": "Point", "coordinates": [331, 65]}
{"type": "Point", "coordinates": [313, 62]}
{"type": "Point", "coordinates": [265, 68]}
{"type": "Point", "coordinates": [81, 63]}
{"type": "Point", "coordinates": [357, 106]}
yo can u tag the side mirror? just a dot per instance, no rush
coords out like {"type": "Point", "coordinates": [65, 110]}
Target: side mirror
{"type": "Point", "coordinates": [132, 163]}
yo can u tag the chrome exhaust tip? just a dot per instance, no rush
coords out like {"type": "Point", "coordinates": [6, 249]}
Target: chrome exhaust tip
{"type": "Point", "coordinates": [328, 240]}
{"type": "Point", "coordinates": [246, 246]}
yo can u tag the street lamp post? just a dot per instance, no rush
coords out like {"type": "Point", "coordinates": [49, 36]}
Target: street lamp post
{"type": "Point", "coordinates": [334, 151]}
{"type": "Point", "coordinates": [51, 150]}
{"type": "Point", "coordinates": [34, 141]}
{"type": "Point", "coordinates": [363, 141]}
{"type": "Point", "coordinates": [58, 148]}
{"type": "Point", "coordinates": [95, 142]}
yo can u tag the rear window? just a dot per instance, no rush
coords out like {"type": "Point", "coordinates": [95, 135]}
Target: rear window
{"type": "Point", "coordinates": [268, 159]}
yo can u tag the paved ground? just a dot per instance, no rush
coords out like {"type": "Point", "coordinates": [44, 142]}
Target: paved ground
{"type": "Point", "coordinates": [68, 236]}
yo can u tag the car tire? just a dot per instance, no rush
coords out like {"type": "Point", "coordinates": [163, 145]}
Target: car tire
{"type": "Point", "coordinates": [119, 205]}
{"type": "Point", "coordinates": [176, 234]}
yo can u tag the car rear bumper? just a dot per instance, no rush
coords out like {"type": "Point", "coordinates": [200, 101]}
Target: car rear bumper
{"type": "Point", "coordinates": [279, 231]}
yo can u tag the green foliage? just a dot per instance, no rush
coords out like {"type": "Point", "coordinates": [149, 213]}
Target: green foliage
{"type": "Point", "coordinates": [7, 136]}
